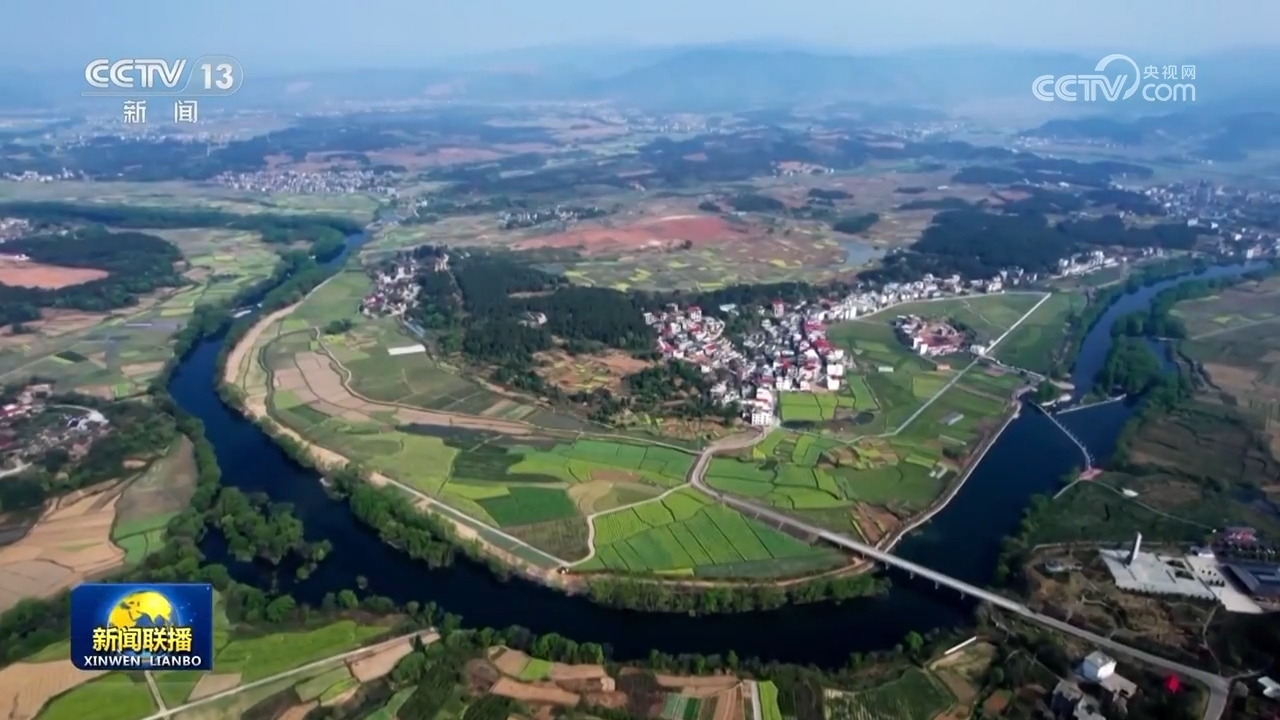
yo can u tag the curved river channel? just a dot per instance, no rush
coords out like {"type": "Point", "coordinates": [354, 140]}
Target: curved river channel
{"type": "Point", "coordinates": [963, 540]}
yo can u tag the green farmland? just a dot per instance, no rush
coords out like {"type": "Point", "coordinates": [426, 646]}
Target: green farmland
{"type": "Point", "coordinates": [686, 534]}
{"type": "Point", "coordinates": [890, 440]}
{"type": "Point", "coordinates": [1036, 344]}
{"type": "Point", "coordinates": [916, 695]}
{"type": "Point", "coordinates": [115, 354]}
{"type": "Point", "coordinates": [989, 316]}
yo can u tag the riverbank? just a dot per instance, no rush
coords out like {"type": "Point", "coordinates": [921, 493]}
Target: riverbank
{"type": "Point", "coordinates": [1029, 457]}
{"type": "Point", "coordinates": [247, 385]}
{"type": "Point", "coordinates": [254, 407]}
{"type": "Point", "coordinates": [941, 503]}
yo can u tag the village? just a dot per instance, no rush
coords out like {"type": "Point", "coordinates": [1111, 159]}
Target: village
{"type": "Point", "coordinates": [30, 427]}
{"type": "Point", "coordinates": [789, 351]}
{"type": "Point", "coordinates": [513, 219]}
{"type": "Point", "coordinates": [309, 183]}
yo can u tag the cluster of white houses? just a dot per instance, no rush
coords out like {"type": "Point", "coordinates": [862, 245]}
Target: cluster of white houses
{"type": "Point", "coordinates": [395, 286]}
{"type": "Point", "coordinates": [790, 351]}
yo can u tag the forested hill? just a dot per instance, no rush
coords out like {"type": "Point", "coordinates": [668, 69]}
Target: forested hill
{"type": "Point", "coordinates": [978, 244]}
{"type": "Point", "coordinates": [136, 264]}
{"type": "Point", "coordinates": [490, 302]}
{"type": "Point", "coordinates": [326, 233]}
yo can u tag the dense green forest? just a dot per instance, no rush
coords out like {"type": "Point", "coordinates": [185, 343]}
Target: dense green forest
{"type": "Point", "coordinates": [976, 244]}
{"type": "Point", "coordinates": [855, 224]}
{"type": "Point", "coordinates": [136, 264]}
{"type": "Point", "coordinates": [499, 311]}
{"type": "Point", "coordinates": [325, 233]}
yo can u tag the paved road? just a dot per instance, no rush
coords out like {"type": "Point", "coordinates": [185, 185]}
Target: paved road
{"type": "Point", "coordinates": [1219, 687]}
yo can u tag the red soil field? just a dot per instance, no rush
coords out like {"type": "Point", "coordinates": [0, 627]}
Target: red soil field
{"type": "Point", "coordinates": [20, 273]}
{"type": "Point", "coordinates": [650, 234]}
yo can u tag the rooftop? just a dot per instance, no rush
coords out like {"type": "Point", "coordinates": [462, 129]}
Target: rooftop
{"type": "Point", "coordinates": [1261, 579]}
{"type": "Point", "coordinates": [1156, 574]}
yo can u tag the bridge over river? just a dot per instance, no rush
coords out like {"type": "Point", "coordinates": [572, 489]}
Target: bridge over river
{"type": "Point", "coordinates": [1219, 687]}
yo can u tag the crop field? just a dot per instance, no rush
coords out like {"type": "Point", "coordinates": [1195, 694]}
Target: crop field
{"type": "Point", "coordinates": [988, 315]}
{"type": "Point", "coordinates": [813, 406]}
{"type": "Point", "coordinates": [190, 195]}
{"type": "Point", "coordinates": [412, 380]}
{"type": "Point", "coordinates": [1233, 336]}
{"type": "Point", "coordinates": [685, 533]}
{"type": "Point", "coordinates": [883, 390]}
{"type": "Point", "coordinates": [869, 484]}
{"type": "Point", "coordinates": [115, 354]}
{"type": "Point", "coordinates": [260, 657]}
{"type": "Point", "coordinates": [810, 473]}
{"type": "Point", "coordinates": [769, 701]}
{"type": "Point", "coordinates": [1248, 304]}
{"type": "Point", "coordinates": [1035, 344]}
{"type": "Point", "coordinates": [151, 500]}
{"type": "Point", "coordinates": [993, 381]}
{"type": "Point", "coordinates": [114, 696]}
{"type": "Point", "coordinates": [914, 696]}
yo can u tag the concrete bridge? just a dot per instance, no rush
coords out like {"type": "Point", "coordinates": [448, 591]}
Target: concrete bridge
{"type": "Point", "coordinates": [1219, 687]}
{"type": "Point", "coordinates": [1088, 457]}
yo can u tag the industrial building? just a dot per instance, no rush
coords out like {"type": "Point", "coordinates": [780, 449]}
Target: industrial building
{"type": "Point", "coordinates": [1260, 580]}
{"type": "Point", "coordinates": [1196, 575]}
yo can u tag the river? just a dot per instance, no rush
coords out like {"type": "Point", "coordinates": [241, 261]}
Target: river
{"type": "Point", "coordinates": [963, 540]}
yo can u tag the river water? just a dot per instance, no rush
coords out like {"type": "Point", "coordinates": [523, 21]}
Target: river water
{"type": "Point", "coordinates": [1031, 457]}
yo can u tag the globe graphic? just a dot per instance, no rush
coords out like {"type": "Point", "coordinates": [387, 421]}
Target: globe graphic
{"type": "Point", "coordinates": [142, 609]}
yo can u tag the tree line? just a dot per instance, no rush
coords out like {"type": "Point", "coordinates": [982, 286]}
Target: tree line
{"type": "Point", "coordinates": [325, 233]}
{"type": "Point", "coordinates": [977, 244]}
{"type": "Point", "coordinates": [135, 263]}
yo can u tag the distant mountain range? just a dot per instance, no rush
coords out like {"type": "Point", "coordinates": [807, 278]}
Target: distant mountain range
{"type": "Point", "coordinates": [705, 78]}
{"type": "Point", "coordinates": [1206, 133]}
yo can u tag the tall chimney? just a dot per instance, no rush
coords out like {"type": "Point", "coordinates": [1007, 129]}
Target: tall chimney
{"type": "Point", "coordinates": [1137, 545]}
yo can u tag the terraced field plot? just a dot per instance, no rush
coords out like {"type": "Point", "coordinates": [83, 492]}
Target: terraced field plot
{"type": "Point", "coordinates": [687, 534]}
{"type": "Point", "coordinates": [915, 696]}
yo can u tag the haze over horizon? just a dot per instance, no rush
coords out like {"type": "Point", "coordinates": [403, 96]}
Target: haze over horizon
{"type": "Point", "coordinates": [291, 35]}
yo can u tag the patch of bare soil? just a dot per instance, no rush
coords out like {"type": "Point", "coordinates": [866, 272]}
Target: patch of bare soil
{"type": "Point", "coordinates": [688, 683]}
{"type": "Point", "coordinates": [542, 694]}
{"type": "Point", "coordinates": [299, 712]}
{"type": "Point", "coordinates": [662, 233]}
{"type": "Point", "coordinates": [70, 542]}
{"type": "Point", "coordinates": [24, 273]}
{"type": "Point", "coordinates": [876, 522]}
{"type": "Point", "coordinates": [214, 683]}
{"type": "Point", "coordinates": [510, 662]}
{"type": "Point", "coordinates": [588, 372]}
{"type": "Point", "coordinates": [1235, 380]}
{"type": "Point", "coordinates": [731, 705]}
{"type": "Point", "coordinates": [138, 369]}
{"type": "Point", "coordinates": [996, 704]}
{"type": "Point", "coordinates": [380, 663]}
{"type": "Point", "coordinates": [562, 672]}
{"type": "Point", "coordinates": [26, 687]}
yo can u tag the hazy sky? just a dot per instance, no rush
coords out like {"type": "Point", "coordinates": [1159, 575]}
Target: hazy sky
{"type": "Point", "coordinates": [295, 34]}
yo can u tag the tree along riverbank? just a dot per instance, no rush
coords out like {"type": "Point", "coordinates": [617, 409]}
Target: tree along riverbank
{"type": "Point", "coordinates": [428, 530]}
{"type": "Point", "coordinates": [36, 623]}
